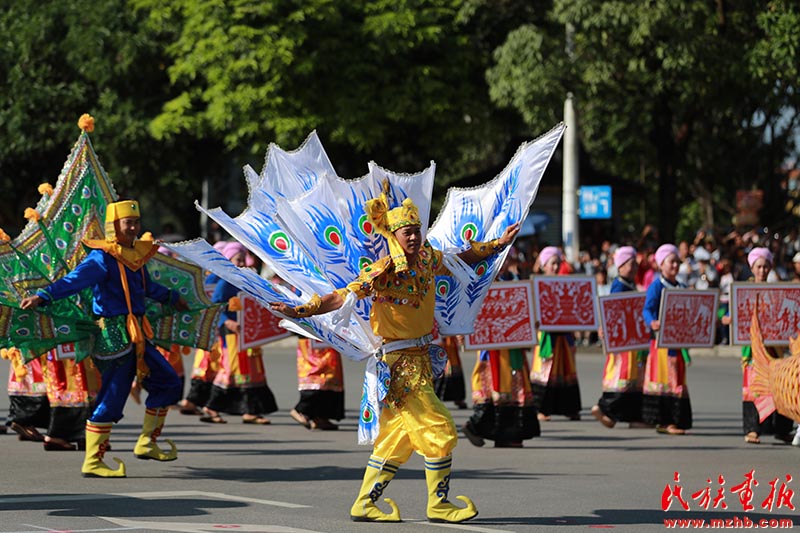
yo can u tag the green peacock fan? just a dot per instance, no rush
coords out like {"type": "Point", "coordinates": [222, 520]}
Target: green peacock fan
{"type": "Point", "coordinates": [49, 247]}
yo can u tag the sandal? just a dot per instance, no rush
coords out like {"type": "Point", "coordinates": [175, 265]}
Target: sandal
{"type": "Point", "coordinates": [188, 408]}
{"type": "Point", "coordinates": [602, 418]}
{"type": "Point", "coordinates": [213, 419]}
{"type": "Point", "coordinates": [324, 424]}
{"type": "Point", "coordinates": [58, 445]}
{"type": "Point", "coordinates": [472, 437]}
{"type": "Point", "coordinates": [300, 418]}
{"type": "Point", "coordinates": [259, 420]}
{"type": "Point", "coordinates": [752, 438]}
{"type": "Point", "coordinates": [27, 432]}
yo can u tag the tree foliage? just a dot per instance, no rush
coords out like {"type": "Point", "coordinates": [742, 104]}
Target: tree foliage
{"type": "Point", "coordinates": [677, 91]}
{"type": "Point", "coordinates": [694, 98]}
{"type": "Point", "coordinates": [400, 82]}
{"type": "Point", "coordinates": [59, 60]}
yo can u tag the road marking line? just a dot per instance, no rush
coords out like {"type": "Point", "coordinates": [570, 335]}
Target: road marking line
{"type": "Point", "coordinates": [192, 527]}
{"type": "Point", "coordinates": [148, 495]}
{"type": "Point", "coordinates": [51, 530]}
{"type": "Point", "coordinates": [462, 526]}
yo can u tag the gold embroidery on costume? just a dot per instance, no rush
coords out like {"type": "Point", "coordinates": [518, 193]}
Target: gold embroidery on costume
{"type": "Point", "coordinates": [380, 281]}
{"type": "Point", "coordinates": [410, 370]}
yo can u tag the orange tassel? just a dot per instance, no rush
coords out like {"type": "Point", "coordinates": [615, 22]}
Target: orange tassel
{"type": "Point", "coordinates": [136, 334]}
{"type": "Point", "coordinates": [86, 123]}
{"type": "Point", "coordinates": [148, 329]}
{"type": "Point", "coordinates": [32, 214]}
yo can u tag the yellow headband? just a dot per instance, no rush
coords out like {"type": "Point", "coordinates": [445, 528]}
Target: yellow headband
{"type": "Point", "coordinates": [386, 222]}
{"type": "Point", "coordinates": [118, 211]}
{"type": "Point", "coordinates": [405, 215]}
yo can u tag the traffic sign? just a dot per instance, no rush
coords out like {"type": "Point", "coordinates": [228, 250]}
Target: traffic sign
{"type": "Point", "coordinates": [595, 202]}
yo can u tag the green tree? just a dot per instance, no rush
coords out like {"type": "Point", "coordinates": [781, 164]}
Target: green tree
{"type": "Point", "coordinates": [400, 82]}
{"type": "Point", "coordinates": [676, 91]}
{"type": "Point", "coordinates": [59, 60]}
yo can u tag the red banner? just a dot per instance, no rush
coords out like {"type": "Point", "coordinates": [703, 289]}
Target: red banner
{"type": "Point", "coordinates": [623, 325]}
{"type": "Point", "coordinates": [778, 311]}
{"type": "Point", "coordinates": [505, 319]}
{"type": "Point", "coordinates": [688, 318]}
{"type": "Point", "coordinates": [565, 303]}
{"type": "Point", "coordinates": [66, 350]}
{"type": "Point", "coordinates": [257, 325]}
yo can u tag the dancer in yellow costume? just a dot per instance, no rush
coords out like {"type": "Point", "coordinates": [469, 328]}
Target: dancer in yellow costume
{"type": "Point", "coordinates": [413, 418]}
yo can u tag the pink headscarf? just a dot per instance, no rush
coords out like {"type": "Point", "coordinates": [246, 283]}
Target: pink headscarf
{"type": "Point", "coordinates": [664, 251]}
{"type": "Point", "coordinates": [220, 245]}
{"type": "Point", "coordinates": [758, 253]}
{"type": "Point", "coordinates": [232, 248]}
{"type": "Point", "coordinates": [623, 255]}
{"type": "Point", "coordinates": [547, 253]}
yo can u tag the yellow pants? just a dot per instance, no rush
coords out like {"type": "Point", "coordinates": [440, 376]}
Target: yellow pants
{"type": "Point", "coordinates": [421, 423]}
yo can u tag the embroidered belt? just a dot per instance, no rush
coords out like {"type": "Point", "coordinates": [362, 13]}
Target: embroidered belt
{"type": "Point", "coordinates": [402, 344]}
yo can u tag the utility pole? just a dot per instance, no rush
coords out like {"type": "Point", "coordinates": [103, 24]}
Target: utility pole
{"type": "Point", "coordinates": [204, 200]}
{"type": "Point", "coordinates": [569, 199]}
{"type": "Point", "coordinates": [569, 221]}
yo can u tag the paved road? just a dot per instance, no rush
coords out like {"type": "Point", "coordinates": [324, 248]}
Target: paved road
{"type": "Point", "coordinates": [284, 478]}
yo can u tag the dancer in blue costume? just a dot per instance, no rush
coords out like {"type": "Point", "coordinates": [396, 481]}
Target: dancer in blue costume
{"type": "Point", "coordinates": [115, 270]}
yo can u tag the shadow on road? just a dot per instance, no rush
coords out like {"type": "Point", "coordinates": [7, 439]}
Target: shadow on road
{"type": "Point", "coordinates": [618, 517]}
{"type": "Point", "coordinates": [329, 473]}
{"type": "Point", "coordinates": [85, 505]}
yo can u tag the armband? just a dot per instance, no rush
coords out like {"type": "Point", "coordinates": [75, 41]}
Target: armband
{"type": "Point", "coordinates": [309, 308]}
{"type": "Point", "coordinates": [342, 293]}
{"type": "Point", "coordinates": [484, 249]}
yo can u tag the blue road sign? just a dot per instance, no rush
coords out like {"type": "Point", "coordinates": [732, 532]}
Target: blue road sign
{"type": "Point", "coordinates": [595, 202]}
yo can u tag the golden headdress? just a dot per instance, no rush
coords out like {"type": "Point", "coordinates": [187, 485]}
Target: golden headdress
{"type": "Point", "coordinates": [143, 248]}
{"type": "Point", "coordinates": [386, 222]}
{"type": "Point", "coordinates": [117, 211]}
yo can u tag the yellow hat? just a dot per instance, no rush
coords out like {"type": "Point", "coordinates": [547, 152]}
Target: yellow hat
{"type": "Point", "coordinates": [386, 222]}
{"type": "Point", "coordinates": [405, 215]}
{"type": "Point", "coordinates": [118, 211]}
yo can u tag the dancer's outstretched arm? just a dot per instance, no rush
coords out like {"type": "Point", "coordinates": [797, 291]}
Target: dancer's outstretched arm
{"type": "Point", "coordinates": [480, 251]}
{"type": "Point", "coordinates": [318, 305]}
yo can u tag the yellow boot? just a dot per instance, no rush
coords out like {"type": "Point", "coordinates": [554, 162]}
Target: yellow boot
{"type": "Point", "coordinates": [437, 474]}
{"type": "Point", "coordinates": [378, 474]}
{"type": "Point", "coordinates": [146, 447]}
{"type": "Point", "coordinates": [97, 434]}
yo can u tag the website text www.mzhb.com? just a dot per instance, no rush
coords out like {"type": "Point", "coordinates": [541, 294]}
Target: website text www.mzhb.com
{"type": "Point", "coordinates": [723, 523]}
